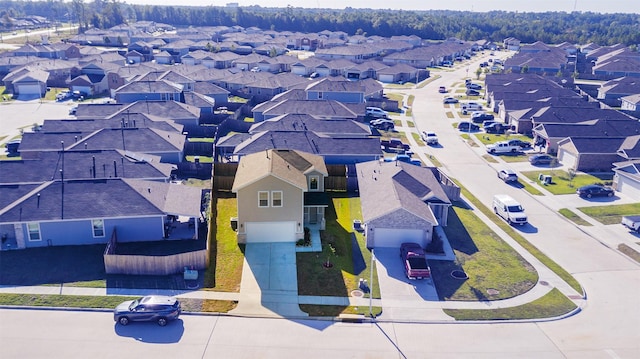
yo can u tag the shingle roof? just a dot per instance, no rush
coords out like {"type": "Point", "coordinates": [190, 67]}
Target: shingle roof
{"type": "Point", "coordinates": [287, 165]}
{"type": "Point", "coordinates": [386, 187]}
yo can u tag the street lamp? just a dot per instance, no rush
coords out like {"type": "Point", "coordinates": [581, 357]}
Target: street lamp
{"type": "Point", "coordinates": [373, 260]}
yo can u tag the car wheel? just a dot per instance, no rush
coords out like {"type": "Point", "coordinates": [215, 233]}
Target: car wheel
{"type": "Point", "coordinates": [162, 322]}
{"type": "Point", "coordinates": [588, 195]}
{"type": "Point", "coordinates": [123, 320]}
{"type": "Point", "coordinates": [509, 221]}
{"type": "Point", "coordinates": [492, 151]}
{"type": "Point", "coordinates": [495, 210]}
{"type": "Point", "coordinates": [610, 194]}
{"type": "Point", "coordinates": [513, 150]}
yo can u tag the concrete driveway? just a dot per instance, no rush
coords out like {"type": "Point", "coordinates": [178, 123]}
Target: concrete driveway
{"type": "Point", "coordinates": [269, 281]}
{"type": "Point", "coordinates": [403, 298]}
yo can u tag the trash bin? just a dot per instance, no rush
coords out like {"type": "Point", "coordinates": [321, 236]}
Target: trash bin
{"type": "Point", "coordinates": [547, 180]}
{"type": "Point", "coordinates": [540, 177]}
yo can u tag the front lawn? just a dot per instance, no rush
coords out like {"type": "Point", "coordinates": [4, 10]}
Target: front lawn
{"type": "Point", "coordinates": [553, 304]}
{"type": "Point", "coordinates": [344, 248]}
{"type": "Point", "coordinates": [573, 217]}
{"type": "Point", "coordinates": [611, 214]}
{"type": "Point", "coordinates": [562, 182]}
{"type": "Point", "coordinates": [495, 270]}
{"type": "Point", "coordinates": [488, 138]}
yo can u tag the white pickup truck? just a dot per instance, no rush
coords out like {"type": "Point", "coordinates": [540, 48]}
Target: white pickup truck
{"type": "Point", "coordinates": [503, 147]}
{"type": "Point", "coordinates": [631, 222]}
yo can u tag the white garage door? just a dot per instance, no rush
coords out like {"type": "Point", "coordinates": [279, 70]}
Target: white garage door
{"type": "Point", "coordinates": [263, 232]}
{"type": "Point", "coordinates": [393, 237]}
{"type": "Point", "coordinates": [628, 188]}
{"type": "Point", "coordinates": [567, 159]}
{"type": "Point", "coordinates": [29, 89]}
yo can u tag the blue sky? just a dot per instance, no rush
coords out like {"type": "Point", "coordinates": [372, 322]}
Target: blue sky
{"type": "Point", "coordinates": [603, 6]}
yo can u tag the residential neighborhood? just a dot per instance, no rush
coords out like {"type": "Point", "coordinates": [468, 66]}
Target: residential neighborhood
{"type": "Point", "coordinates": [244, 165]}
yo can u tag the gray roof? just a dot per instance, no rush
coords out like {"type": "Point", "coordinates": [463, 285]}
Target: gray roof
{"type": "Point", "coordinates": [304, 122]}
{"type": "Point", "coordinates": [309, 142]}
{"type": "Point", "coordinates": [386, 187]}
{"type": "Point", "coordinates": [103, 198]}
{"type": "Point", "coordinates": [81, 164]}
{"type": "Point", "coordinates": [318, 108]}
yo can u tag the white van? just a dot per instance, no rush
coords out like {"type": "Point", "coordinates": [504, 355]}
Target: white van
{"type": "Point", "coordinates": [509, 209]}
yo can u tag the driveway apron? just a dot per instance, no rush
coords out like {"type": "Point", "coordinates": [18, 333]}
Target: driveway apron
{"type": "Point", "coordinates": [269, 284]}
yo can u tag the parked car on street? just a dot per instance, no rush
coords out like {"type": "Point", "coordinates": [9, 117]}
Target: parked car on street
{"type": "Point", "coordinates": [429, 137]}
{"type": "Point", "coordinates": [442, 89]}
{"type": "Point", "coordinates": [595, 190]}
{"type": "Point", "coordinates": [508, 175]}
{"type": "Point", "coordinates": [152, 308]}
{"type": "Point", "coordinates": [467, 126]}
{"type": "Point", "coordinates": [541, 159]}
{"type": "Point", "coordinates": [509, 209]}
{"type": "Point", "coordinates": [450, 100]}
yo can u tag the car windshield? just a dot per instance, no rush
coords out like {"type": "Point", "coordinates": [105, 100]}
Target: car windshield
{"type": "Point", "coordinates": [515, 209]}
{"type": "Point", "coordinates": [134, 304]}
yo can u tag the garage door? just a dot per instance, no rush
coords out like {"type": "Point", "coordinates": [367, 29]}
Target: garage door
{"type": "Point", "coordinates": [263, 232]}
{"type": "Point", "coordinates": [567, 159]}
{"type": "Point", "coordinates": [29, 89]}
{"type": "Point", "coordinates": [393, 237]}
{"type": "Point", "coordinates": [628, 188]}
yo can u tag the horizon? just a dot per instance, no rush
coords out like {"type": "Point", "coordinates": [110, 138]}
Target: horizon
{"type": "Point", "coordinates": [611, 6]}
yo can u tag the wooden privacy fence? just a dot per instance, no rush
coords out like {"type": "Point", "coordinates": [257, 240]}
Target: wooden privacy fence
{"type": "Point", "coordinates": [151, 265]}
{"type": "Point", "coordinates": [154, 265]}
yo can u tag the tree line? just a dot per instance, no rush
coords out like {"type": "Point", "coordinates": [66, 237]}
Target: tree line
{"type": "Point", "coordinates": [548, 27]}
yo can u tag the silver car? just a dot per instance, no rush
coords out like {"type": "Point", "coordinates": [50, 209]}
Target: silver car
{"type": "Point", "coordinates": [152, 308]}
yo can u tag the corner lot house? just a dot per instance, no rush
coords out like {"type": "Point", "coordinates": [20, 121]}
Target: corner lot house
{"type": "Point", "coordinates": [400, 203]}
{"type": "Point", "coordinates": [279, 192]}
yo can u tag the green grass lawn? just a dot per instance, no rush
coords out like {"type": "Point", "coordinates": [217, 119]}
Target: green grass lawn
{"type": "Point", "coordinates": [495, 270]}
{"type": "Point", "coordinates": [396, 97]}
{"type": "Point", "coordinates": [490, 158]}
{"type": "Point", "coordinates": [551, 305]}
{"type": "Point", "coordinates": [515, 158]}
{"type": "Point", "coordinates": [225, 270]}
{"type": "Point", "coordinates": [529, 188]}
{"type": "Point", "coordinates": [611, 214]}
{"type": "Point", "coordinates": [203, 159]}
{"type": "Point", "coordinates": [630, 252]}
{"type": "Point", "coordinates": [201, 139]}
{"type": "Point", "coordinates": [435, 161]}
{"type": "Point", "coordinates": [562, 183]}
{"type": "Point", "coordinates": [342, 277]}
{"type": "Point", "coordinates": [410, 100]}
{"type": "Point", "coordinates": [418, 139]}
{"type": "Point", "coordinates": [573, 217]}
{"type": "Point", "coordinates": [336, 310]}
{"type": "Point", "coordinates": [411, 124]}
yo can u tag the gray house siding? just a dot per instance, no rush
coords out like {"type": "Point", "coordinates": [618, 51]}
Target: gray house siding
{"type": "Point", "coordinates": [400, 219]}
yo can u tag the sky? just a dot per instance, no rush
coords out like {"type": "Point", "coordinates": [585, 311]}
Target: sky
{"type": "Point", "coordinates": [602, 6]}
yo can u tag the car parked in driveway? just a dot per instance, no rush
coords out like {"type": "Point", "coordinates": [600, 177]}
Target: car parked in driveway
{"type": "Point", "coordinates": [152, 308]}
{"type": "Point", "coordinates": [467, 126]}
{"type": "Point", "coordinates": [375, 112]}
{"type": "Point", "coordinates": [541, 159]}
{"type": "Point", "coordinates": [594, 190]}
{"type": "Point", "coordinates": [470, 92]}
{"type": "Point", "coordinates": [495, 128]}
{"type": "Point", "coordinates": [520, 143]}
{"type": "Point", "coordinates": [481, 117]}
{"type": "Point", "coordinates": [415, 261]}
{"type": "Point", "coordinates": [382, 124]}
{"type": "Point", "coordinates": [508, 175]}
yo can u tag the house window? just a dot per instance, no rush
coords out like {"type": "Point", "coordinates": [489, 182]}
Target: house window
{"type": "Point", "coordinates": [263, 199]}
{"type": "Point", "coordinates": [276, 198]}
{"type": "Point", "coordinates": [98, 227]}
{"type": "Point", "coordinates": [320, 94]}
{"type": "Point", "coordinates": [314, 183]}
{"type": "Point", "coordinates": [34, 231]}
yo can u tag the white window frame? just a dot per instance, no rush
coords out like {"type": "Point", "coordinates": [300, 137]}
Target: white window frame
{"type": "Point", "coordinates": [317, 178]}
{"type": "Point", "coordinates": [260, 193]}
{"type": "Point", "coordinates": [30, 231]}
{"type": "Point", "coordinates": [274, 199]}
{"type": "Point", "coordinates": [93, 228]}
